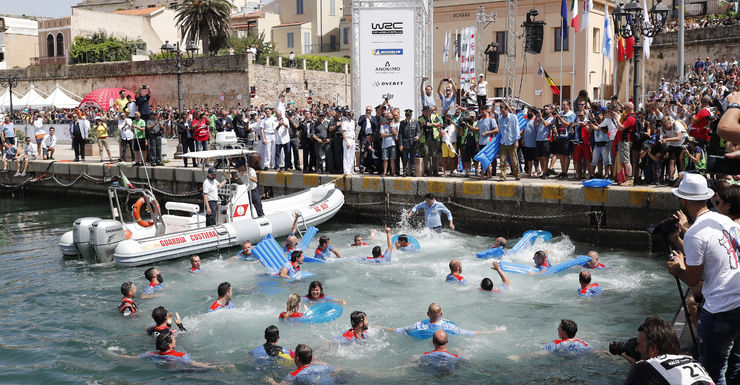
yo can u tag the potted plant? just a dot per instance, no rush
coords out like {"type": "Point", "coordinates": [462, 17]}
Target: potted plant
{"type": "Point", "coordinates": [92, 138]}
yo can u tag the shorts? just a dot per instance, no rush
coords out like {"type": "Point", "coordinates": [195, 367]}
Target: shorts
{"type": "Point", "coordinates": [10, 140]}
{"type": "Point", "coordinates": [45, 151]}
{"type": "Point", "coordinates": [468, 152]}
{"type": "Point", "coordinates": [140, 144]}
{"type": "Point", "coordinates": [29, 157]}
{"type": "Point", "coordinates": [389, 153]}
{"type": "Point", "coordinates": [674, 152]}
{"type": "Point", "coordinates": [582, 151]}
{"type": "Point", "coordinates": [446, 152]}
{"type": "Point", "coordinates": [563, 146]}
{"type": "Point", "coordinates": [530, 153]}
{"type": "Point", "coordinates": [542, 149]}
{"type": "Point", "coordinates": [39, 139]}
{"type": "Point", "coordinates": [623, 151]}
{"type": "Point", "coordinates": [602, 154]}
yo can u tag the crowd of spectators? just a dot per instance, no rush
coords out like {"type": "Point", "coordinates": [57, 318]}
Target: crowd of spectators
{"type": "Point", "coordinates": [709, 21]}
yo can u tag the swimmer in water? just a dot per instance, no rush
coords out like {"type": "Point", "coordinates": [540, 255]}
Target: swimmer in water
{"type": "Point", "coordinates": [307, 371]}
{"type": "Point", "coordinates": [316, 294]}
{"type": "Point", "coordinates": [195, 264]}
{"type": "Point", "coordinates": [166, 352]}
{"type": "Point", "coordinates": [224, 298]}
{"type": "Point", "coordinates": [292, 242]}
{"type": "Point", "coordinates": [155, 282]}
{"type": "Point", "coordinates": [270, 352]}
{"type": "Point", "coordinates": [436, 322]}
{"type": "Point", "coordinates": [594, 262]}
{"type": "Point", "coordinates": [566, 343]}
{"type": "Point", "coordinates": [403, 243]}
{"type": "Point", "coordinates": [127, 306]}
{"type": "Point", "coordinates": [385, 257]}
{"type": "Point", "coordinates": [541, 261]}
{"type": "Point", "coordinates": [358, 241]}
{"type": "Point", "coordinates": [455, 271]}
{"type": "Point", "coordinates": [487, 285]}
{"type": "Point", "coordinates": [245, 254]}
{"type": "Point", "coordinates": [439, 359]}
{"type": "Point", "coordinates": [432, 209]}
{"type": "Point", "coordinates": [292, 267]}
{"type": "Point", "coordinates": [358, 332]}
{"type": "Point", "coordinates": [499, 242]}
{"type": "Point", "coordinates": [163, 322]}
{"type": "Point", "coordinates": [325, 249]}
{"type": "Point", "coordinates": [291, 308]}
{"type": "Point", "coordinates": [587, 288]}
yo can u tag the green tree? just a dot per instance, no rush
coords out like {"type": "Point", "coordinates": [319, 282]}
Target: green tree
{"type": "Point", "coordinates": [206, 21]}
{"type": "Point", "coordinates": [101, 47]}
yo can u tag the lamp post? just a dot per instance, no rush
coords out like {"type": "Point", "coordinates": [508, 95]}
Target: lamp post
{"type": "Point", "coordinates": [630, 22]}
{"type": "Point", "coordinates": [10, 81]}
{"type": "Point", "coordinates": [172, 54]}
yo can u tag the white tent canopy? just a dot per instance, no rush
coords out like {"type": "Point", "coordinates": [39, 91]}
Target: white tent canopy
{"type": "Point", "coordinates": [32, 99]}
{"type": "Point", "coordinates": [58, 98]}
{"type": "Point", "coordinates": [5, 100]}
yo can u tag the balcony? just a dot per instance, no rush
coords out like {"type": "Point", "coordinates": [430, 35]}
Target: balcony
{"type": "Point", "coordinates": [329, 47]}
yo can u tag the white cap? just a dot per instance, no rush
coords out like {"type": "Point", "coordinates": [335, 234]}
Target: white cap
{"type": "Point", "coordinates": [693, 187]}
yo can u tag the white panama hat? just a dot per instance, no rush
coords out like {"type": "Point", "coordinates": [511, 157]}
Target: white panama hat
{"type": "Point", "coordinates": [693, 187]}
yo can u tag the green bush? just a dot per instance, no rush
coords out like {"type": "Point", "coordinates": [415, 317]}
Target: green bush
{"type": "Point", "coordinates": [316, 62]}
{"type": "Point", "coordinates": [103, 48]}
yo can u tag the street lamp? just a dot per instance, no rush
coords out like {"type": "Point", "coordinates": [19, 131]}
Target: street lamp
{"type": "Point", "coordinates": [10, 81]}
{"type": "Point", "coordinates": [629, 22]}
{"type": "Point", "coordinates": [172, 54]}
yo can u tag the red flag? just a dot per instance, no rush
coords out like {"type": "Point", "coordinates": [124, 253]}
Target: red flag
{"type": "Point", "coordinates": [555, 90]}
{"type": "Point", "coordinates": [630, 47]}
{"type": "Point", "coordinates": [620, 49]}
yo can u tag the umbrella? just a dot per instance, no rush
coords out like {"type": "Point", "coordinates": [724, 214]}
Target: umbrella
{"type": "Point", "coordinates": [102, 98]}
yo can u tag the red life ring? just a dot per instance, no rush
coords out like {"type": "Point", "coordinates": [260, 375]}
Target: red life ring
{"type": "Point", "coordinates": [137, 214]}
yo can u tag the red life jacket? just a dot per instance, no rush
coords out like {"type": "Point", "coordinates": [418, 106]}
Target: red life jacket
{"type": "Point", "coordinates": [350, 334]}
{"type": "Point", "coordinates": [294, 315]}
{"type": "Point", "coordinates": [295, 373]}
{"type": "Point", "coordinates": [458, 276]}
{"type": "Point", "coordinates": [585, 289]}
{"type": "Point", "coordinates": [441, 351]}
{"type": "Point", "coordinates": [569, 339]}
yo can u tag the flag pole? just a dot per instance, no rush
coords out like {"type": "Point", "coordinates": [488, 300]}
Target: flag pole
{"type": "Point", "coordinates": [603, 71]}
{"type": "Point", "coordinates": [562, 41]}
{"type": "Point", "coordinates": [615, 63]}
{"type": "Point", "coordinates": [573, 67]}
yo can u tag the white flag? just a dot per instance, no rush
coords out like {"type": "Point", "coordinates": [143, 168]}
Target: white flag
{"type": "Point", "coordinates": [608, 40]}
{"type": "Point", "coordinates": [647, 40]}
{"type": "Point", "coordinates": [446, 51]}
{"type": "Point", "coordinates": [588, 5]}
{"type": "Point", "coordinates": [457, 45]}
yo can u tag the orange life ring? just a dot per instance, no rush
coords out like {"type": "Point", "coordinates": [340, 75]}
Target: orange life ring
{"type": "Point", "coordinates": [137, 214]}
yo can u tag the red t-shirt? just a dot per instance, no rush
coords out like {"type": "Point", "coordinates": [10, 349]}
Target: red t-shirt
{"type": "Point", "coordinates": [629, 128]}
{"type": "Point", "coordinates": [700, 129]}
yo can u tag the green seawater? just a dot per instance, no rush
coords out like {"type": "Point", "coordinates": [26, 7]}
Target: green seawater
{"type": "Point", "coordinates": [59, 321]}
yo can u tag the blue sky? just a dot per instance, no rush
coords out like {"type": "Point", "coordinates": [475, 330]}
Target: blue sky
{"type": "Point", "coordinates": [47, 8]}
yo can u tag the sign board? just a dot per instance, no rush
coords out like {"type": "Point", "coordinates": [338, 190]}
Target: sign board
{"type": "Point", "coordinates": [387, 57]}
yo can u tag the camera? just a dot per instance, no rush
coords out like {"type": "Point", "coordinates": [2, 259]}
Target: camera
{"type": "Point", "coordinates": [666, 227]}
{"type": "Point", "coordinates": [287, 90]}
{"type": "Point", "coordinates": [630, 347]}
{"type": "Point", "coordinates": [143, 86]}
{"type": "Point", "coordinates": [446, 79]}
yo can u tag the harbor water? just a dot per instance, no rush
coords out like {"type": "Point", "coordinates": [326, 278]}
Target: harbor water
{"type": "Point", "coordinates": [59, 321]}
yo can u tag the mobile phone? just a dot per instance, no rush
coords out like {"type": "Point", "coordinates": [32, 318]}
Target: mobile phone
{"type": "Point", "coordinates": [446, 79]}
{"type": "Point", "coordinates": [287, 90]}
{"type": "Point", "coordinates": [143, 86]}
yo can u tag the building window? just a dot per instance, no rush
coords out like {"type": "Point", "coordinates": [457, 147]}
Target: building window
{"type": "Point", "coordinates": [332, 6]}
{"type": "Point", "coordinates": [332, 43]}
{"type": "Point", "coordinates": [173, 5]}
{"type": "Point", "coordinates": [60, 44]}
{"type": "Point", "coordinates": [50, 45]}
{"type": "Point", "coordinates": [501, 41]}
{"type": "Point", "coordinates": [306, 42]}
{"type": "Point", "coordinates": [597, 40]}
{"type": "Point", "coordinates": [559, 41]}
{"type": "Point", "coordinates": [566, 96]}
{"type": "Point", "coordinates": [291, 40]}
{"type": "Point", "coordinates": [345, 34]}
{"type": "Point", "coordinates": [299, 7]}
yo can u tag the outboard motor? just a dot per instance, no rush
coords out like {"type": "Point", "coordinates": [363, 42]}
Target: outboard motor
{"type": "Point", "coordinates": [81, 236]}
{"type": "Point", "coordinates": [105, 235]}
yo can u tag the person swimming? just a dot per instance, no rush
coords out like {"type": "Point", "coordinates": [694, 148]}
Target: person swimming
{"type": "Point", "coordinates": [292, 242]}
{"type": "Point", "coordinates": [358, 241]}
{"type": "Point", "coordinates": [440, 360]}
{"type": "Point", "coordinates": [403, 243]}
{"type": "Point", "coordinates": [567, 341]}
{"type": "Point", "coordinates": [325, 249]}
{"type": "Point", "coordinates": [128, 308]}
{"type": "Point", "coordinates": [291, 309]}
{"type": "Point", "coordinates": [166, 352]}
{"type": "Point", "coordinates": [292, 267]}
{"type": "Point", "coordinates": [499, 242]}
{"type": "Point", "coordinates": [270, 352]}
{"type": "Point", "coordinates": [195, 264]}
{"type": "Point", "coordinates": [163, 322]}
{"type": "Point", "coordinates": [436, 322]}
{"type": "Point", "coordinates": [245, 254]}
{"type": "Point", "coordinates": [224, 298]}
{"type": "Point", "coordinates": [594, 262]}
{"type": "Point", "coordinates": [455, 271]}
{"type": "Point", "coordinates": [587, 288]}
{"type": "Point", "coordinates": [385, 257]}
{"type": "Point", "coordinates": [487, 285]}
{"type": "Point", "coordinates": [541, 261]}
{"type": "Point", "coordinates": [358, 332]}
{"type": "Point", "coordinates": [316, 294]}
{"type": "Point", "coordinates": [155, 282]}
{"type": "Point", "coordinates": [307, 372]}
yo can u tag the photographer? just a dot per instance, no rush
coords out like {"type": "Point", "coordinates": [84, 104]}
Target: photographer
{"type": "Point", "coordinates": [661, 362]}
{"type": "Point", "coordinates": [700, 122]}
{"type": "Point", "coordinates": [711, 247]}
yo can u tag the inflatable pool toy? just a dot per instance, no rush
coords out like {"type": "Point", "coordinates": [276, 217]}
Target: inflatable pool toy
{"type": "Point", "coordinates": [597, 183]}
{"type": "Point", "coordinates": [425, 330]}
{"type": "Point", "coordinates": [322, 312]}
{"type": "Point", "coordinates": [494, 252]}
{"type": "Point", "coordinates": [269, 253]}
{"type": "Point", "coordinates": [511, 267]}
{"type": "Point", "coordinates": [416, 246]}
{"type": "Point", "coordinates": [488, 153]}
{"type": "Point", "coordinates": [308, 236]}
{"type": "Point", "coordinates": [529, 238]}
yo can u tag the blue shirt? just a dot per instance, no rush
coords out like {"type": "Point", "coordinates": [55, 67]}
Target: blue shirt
{"type": "Point", "coordinates": [215, 306]}
{"type": "Point", "coordinates": [508, 127]}
{"type": "Point", "coordinates": [388, 141]}
{"type": "Point", "coordinates": [291, 268]}
{"type": "Point", "coordinates": [443, 324]}
{"type": "Point", "coordinates": [311, 374]}
{"type": "Point", "coordinates": [385, 258]}
{"type": "Point", "coordinates": [448, 103]}
{"type": "Point", "coordinates": [456, 278]}
{"type": "Point", "coordinates": [485, 125]}
{"type": "Point", "coordinates": [570, 117]}
{"type": "Point", "coordinates": [431, 213]}
{"type": "Point", "coordinates": [530, 134]}
{"type": "Point", "coordinates": [244, 257]}
{"type": "Point", "coordinates": [9, 130]}
{"type": "Point", "coordinates": [600, 136]}
{"type": "Point", "coordinates": [326, 254]}
{"type": "Point", "coordinates": [440, 361]}
{"type": "Point", "coordinates": [570, 346]}
{"type": "Point", "coordinates": [543, 132]}
{"type": "Point", "coordinates": [259, 354]}
{"type": "Point", "coordinates": [590, 290]}
{"type": "Point", "coordinates": [350, 337]}
{"type": "Point", "coordinates": [194, 270]}
{"type": "Point", "coordinates": [153, 289]}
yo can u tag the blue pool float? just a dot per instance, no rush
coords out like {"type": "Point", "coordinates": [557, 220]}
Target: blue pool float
{"type": "Point", "coordinates": [529, 238]}
{"type": "Point", "coordinates": [322, 312]}
{"type": "Point", "coordinates": [493, 252]}
{"type": "Point", "coordinates": [308, 236]}
{"type": "Point", "coordinates": [269, 253]}
{"type": "Point", "coordinates": [425, 330]}
{"type": "Point", "coordinates": [412, 241]}
{"type": "Point", "coordinates": [597, 183]}
{"type": "Point", "coordinates": [488, 153]}
{"type": "Point", "coordinates": [511, 267]}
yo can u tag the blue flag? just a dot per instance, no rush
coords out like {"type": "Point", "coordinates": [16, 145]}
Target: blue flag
{"type": "Point", "coordinates": [564, 22]}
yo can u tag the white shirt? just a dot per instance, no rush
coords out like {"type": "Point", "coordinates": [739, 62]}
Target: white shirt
{"type": "Point", "coordinates": [677, 127]}
{"type": "Point", "coordinates": [210, 188]}
{"type": "Point", "coordinates": [268, 126]}
{"type": "Point", "coordinates": [449, 134]}
{"type": "Point", "coordinates": [482, 88]}
{"type": "Point", "coordinates": [709, 242]}
{"type": "Point", "coordinates": [283, 132]}
{"type": "Point", "coordinates": [38, 123]}
{"type": "Point", "coordinates": [124, 125]}
{"type": "Point", "coordinates": [280, 106]}
{"type": "Point", "coordinates": [49, 141]}
{"type": "Point", "coordinates": [30, 149]}
{"type": "Point", "coordinates": [348, 127]}
{"type": "Point", "coordinates": [252, 174]}
{"type": "Point", "coordinates": [609, 123]}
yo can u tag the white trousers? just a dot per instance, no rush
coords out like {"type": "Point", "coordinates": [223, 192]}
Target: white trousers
{"type": "Point", "coordinates": [268, 153]}
{"type": "Point", "coordinates": [348, 160]}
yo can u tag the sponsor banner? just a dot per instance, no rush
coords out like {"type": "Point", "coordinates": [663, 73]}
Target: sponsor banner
{"type": "Point", "coordinates": [387, 57]}
{"type": "Point", "coordinates": [176, 240]}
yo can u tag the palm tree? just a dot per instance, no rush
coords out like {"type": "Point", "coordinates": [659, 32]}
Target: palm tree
{"type": "Point", "coordinates": [204, 20]}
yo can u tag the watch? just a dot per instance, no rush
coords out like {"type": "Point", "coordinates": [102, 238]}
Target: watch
{"type": "Point", "coordinates": [732, 105]}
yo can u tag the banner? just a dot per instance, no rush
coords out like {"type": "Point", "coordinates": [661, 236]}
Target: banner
{"type": "Point", "coordinates": [467, 62]}
{"type": "Point", "coordinates": [387, 57]}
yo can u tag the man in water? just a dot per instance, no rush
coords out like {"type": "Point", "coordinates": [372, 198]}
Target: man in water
{"type": "Point", "coordinates": [224, 298]}
{"type": "Point", "coordinates": [292, 242]}
{"type": "Point", "coordinates": [155, 282]}
{"type": "Point", "coordinates": [127, 306]}
{"type": "Point", "coordinates": [432, 209]}
{"type": "Point", "coordinates": [499, 242]}
{"type": "Point", "coordinates": [358, 332]}
{"type": "Point", "coordinates": [270, 351]}
{"type": "Point", "coordinates": [541, 261]}
{"type": "Point", "coordinates": [587, 288]}
{"type": "Point", "coordinates": [293, 266]}
{"type": "Point", "coordinates": [358, 241]}
{"type": "Point", "coordinates": [440, 359]}
{"type": "Point", "coordinates": [163, 321]}
{"type": "Point", "coordinates": [567, 341]}
{"type": "Point", "coordinates": [195, 264]}
{"type": "Point", "coordinates": [385, 257]}
{"type": "Point", "coordinates": [245, 254]}
{"type": "Point", "coordinates": [487, 285]}
{"type": "Point", "coordinates": [436, 322]}
{"type": "Point", "coordinates": [455, 271]}
{"type": "Point", "coordinates": [403, 243]}
{"type": "Point", "coordinates": [166, 352]}
{"type": "Point", "coordinates": [306, 372]}
{"type": "Point", "coordinates": [594, 262]}
{"type": "Point", "coordinates": [325, 249]}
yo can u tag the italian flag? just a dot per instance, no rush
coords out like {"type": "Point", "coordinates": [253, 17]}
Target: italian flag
{"type": "Point", "coordinates": [574, 18]}
{"type": "Point", "coordinates": [125, 180]}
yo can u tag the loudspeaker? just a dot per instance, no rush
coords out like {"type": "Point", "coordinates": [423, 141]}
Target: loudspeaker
{"type": "Point", "coordinates": [534, 32]}
{"type": "Point", "coordinates": [493, 55]}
